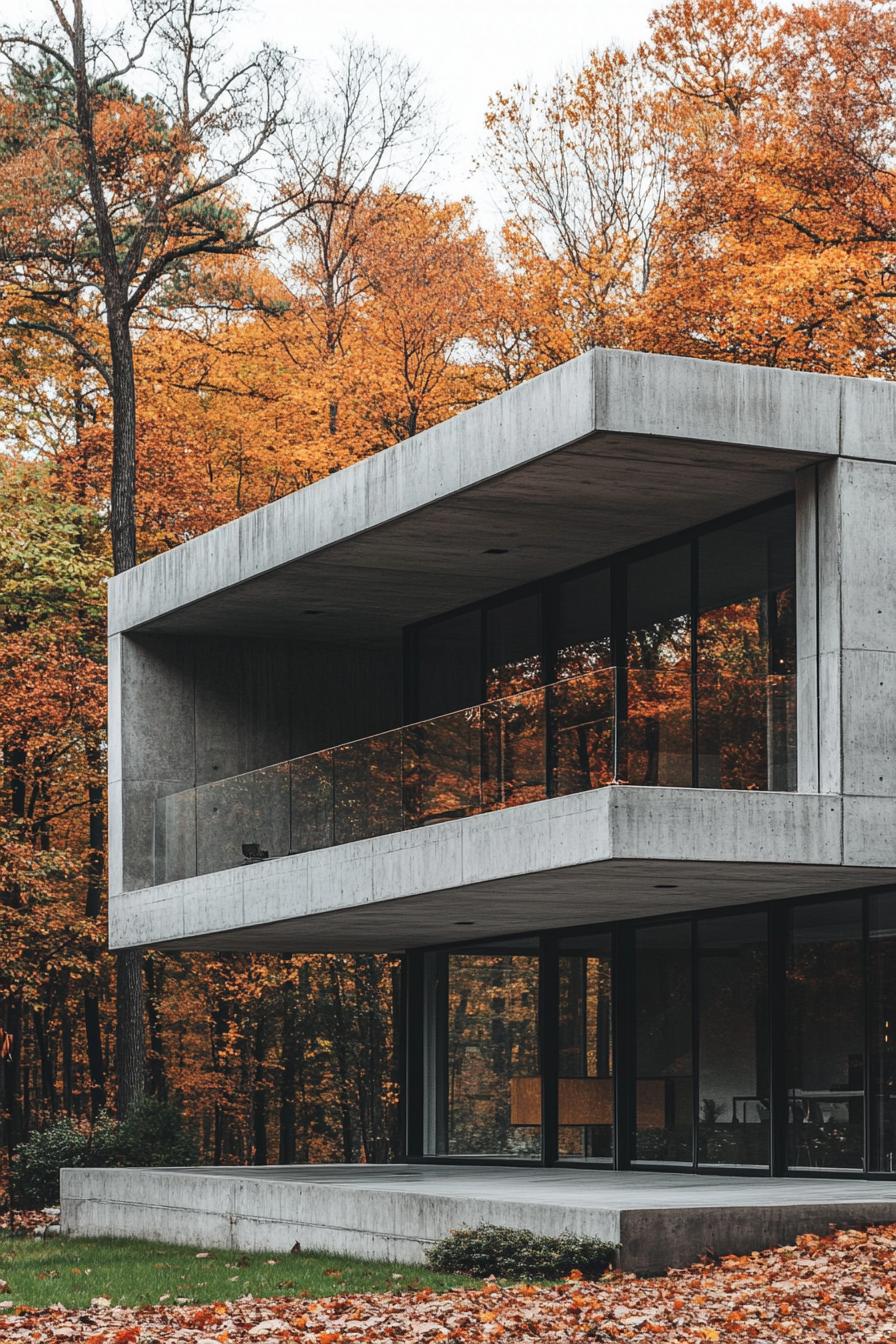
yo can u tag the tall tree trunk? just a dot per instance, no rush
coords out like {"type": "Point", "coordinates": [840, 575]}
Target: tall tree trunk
{"type": "Point", "coordinates": [92, 906]}
{"type": "Point", "coordinates": [12, 1024]}
{"type": "Point", "coordinates": [158, 1085]}
{"type": "Point", "coordinates": [288, 1072]}
{"type": "Point", "coordinates": [123, 515]}
{"type": "Point", "coordinates": [341, 1052]}
{"type": "Point", "coordinates": [259, 1096]}
{"type": "Point", "coordinates": [130, 1048]}
{"type": "Point", "coordinates": [130, 1044]}
{"type": "Point", "coordinates": [48, 1099]}
{"type": "Point", "coordinates": [397, 972]}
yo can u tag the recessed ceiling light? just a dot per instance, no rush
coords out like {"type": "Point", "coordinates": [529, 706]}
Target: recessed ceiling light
{"type": "Point", "coordinates": [495, 550]}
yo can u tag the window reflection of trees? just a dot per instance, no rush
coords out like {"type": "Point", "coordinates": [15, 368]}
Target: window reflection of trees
{"type": "Point", "coordinates": [492, 1039]}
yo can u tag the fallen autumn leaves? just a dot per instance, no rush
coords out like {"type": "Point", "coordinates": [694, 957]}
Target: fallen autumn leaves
{"type": "Point", "coordinates": [822, 1289]}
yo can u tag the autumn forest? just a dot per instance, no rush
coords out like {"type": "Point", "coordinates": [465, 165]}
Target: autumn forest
{"type": "Point", "coordinates": [217, 285]}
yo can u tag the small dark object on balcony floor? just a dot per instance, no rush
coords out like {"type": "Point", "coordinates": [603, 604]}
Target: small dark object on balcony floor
{"type": "Point", "coordinates": [253, 852]}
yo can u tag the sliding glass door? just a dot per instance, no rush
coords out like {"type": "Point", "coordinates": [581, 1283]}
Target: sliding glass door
{"type": "Point", "coordinates": [664, 1044]}
{"type": "Point", "coordinates": [825, 1017]}
{"type": "Point", "coordinates": [733, 1041]}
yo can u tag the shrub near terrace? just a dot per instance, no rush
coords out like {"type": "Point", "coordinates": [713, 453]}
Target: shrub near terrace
{"type": "Point", "coordinates": [513, 1253]}
{"type": "Point", "coordinates": [151, 1136]}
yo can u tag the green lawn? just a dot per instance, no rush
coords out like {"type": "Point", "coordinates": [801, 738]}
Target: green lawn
{"type": "Point", "coordinates": [136, 1273]}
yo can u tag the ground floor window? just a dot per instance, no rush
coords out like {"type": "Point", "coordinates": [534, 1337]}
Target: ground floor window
{"type": "Point", "coordinates": [488, 1091]}
{"type": "Point", "coordinates": [756, 1039]}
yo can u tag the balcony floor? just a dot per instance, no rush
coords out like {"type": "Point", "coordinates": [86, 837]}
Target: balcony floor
{"type": "Point", "coordinates": [613, 853]}
{"type": "Point", "coordinates": [659, 1219]}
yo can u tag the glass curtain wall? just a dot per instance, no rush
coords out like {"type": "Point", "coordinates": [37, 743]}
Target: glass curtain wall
{"type": "Point", "coordinates": [659, 747]}
{"type": "Point", "coordinates": [759, 1039]}
{"type": "Point", "coordinates": [513, 737]}
{"type": "Point", "coordinates": [581, 705]}
{"type": "Point", "coordinates": [670, 666]}
{"type": "Point", "coordinates": [746, 653]}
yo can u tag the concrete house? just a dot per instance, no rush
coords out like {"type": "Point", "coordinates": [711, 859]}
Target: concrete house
{"type": "Point", "coordinates": [584, 702]}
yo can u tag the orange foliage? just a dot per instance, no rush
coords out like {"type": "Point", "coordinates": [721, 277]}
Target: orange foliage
{"type": "Point", "coordinates": [725, 191]}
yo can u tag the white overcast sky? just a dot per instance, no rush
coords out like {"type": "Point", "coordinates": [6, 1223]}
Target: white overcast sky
{"type": "Point", "coordinates": [467, 49]}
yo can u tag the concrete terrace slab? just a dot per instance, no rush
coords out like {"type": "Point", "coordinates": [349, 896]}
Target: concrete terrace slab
{"type": "Point", "coordinates": [394, 1212]}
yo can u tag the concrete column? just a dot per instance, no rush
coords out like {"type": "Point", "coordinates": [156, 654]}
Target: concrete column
{"type": "Point", "coordinates": [848, 726]}
{"type": "Point", "coordinates": [151, 747]}
{"type": "Point", "coordinates": [807, 630]}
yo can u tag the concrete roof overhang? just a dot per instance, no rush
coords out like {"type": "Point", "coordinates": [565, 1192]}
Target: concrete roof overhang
{"type": "Point", "coordinates": [610, 450]}
{"type": "Point", "coordinates": [613, 853]}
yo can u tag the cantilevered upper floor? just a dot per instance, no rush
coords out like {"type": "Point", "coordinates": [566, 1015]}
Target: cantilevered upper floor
{"type": "Point", "coordinates": [622, 639]}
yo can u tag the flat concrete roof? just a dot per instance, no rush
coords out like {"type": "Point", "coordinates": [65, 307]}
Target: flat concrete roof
{"type": "Point", "coordinates": [610, 450]}
{"type": "Point", "coordinates": [620, 852]}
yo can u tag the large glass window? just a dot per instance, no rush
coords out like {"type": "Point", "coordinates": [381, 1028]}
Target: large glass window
{"type": "Point", "coordinates": [491, 1104]}
{"type": "Point", "coordinates": [673, 667]}
{"type": "Point", "coordinates": [747, 653]}
{"type": "Point", "coordinates": [448, 664]}
{"type": "Point", "coordinates": [513, 655]}
{"type": "Point", "coordinates": [825, 1036]}
{"type": "Point", "coordinates": [581, 703]}
{"type": "Point", "coordinates": [580, 623]}
{"type": "Point", "coordinates": [705, 1013]}
{"type": "Point", "coordinates": [585, 1100]}
{"type": "Point", "coordinates": [882, 989]}
{"type": "Point", "coordinates": [664, 1067]}
{"type": "Point", "coordinates": [439, 771]}
{"type": "Point", "coordinates": [658, 649]}
{"type": "Point", "coordinates": [733, 1034]}
{"type": "Point", "coordinates": [514, 738]}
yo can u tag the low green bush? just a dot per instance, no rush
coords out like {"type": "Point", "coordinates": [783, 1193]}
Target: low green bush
{"type": "Point", "coordinates": [153, 1135]}
{"type": "Point", "coordinates": [511, 1253]}
{"type": "Point", "coordinates": [35, 1166]}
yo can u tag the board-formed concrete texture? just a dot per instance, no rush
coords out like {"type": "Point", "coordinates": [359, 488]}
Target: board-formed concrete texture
{"type": "Point", "coordinates": [280, 634]}
{"type": "Point", "coordinates": [659, 1220]}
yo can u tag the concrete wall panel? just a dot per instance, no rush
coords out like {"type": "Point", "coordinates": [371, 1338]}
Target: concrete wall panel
{"type": "Point", "coordinates": [868, 419]}
{"type": "Point", "coordinates": [869, 831]}
{"type": "Point", "coordinates": [868, 555]}
{"type": "Point", "coordinates": [869, 722]}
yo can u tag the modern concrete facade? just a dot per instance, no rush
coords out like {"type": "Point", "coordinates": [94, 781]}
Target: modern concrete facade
{"type": "Point", "coordinates": [329, 732]}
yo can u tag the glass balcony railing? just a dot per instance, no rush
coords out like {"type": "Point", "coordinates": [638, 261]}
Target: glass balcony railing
{"type": "Point", "coordinates": [577, 734]}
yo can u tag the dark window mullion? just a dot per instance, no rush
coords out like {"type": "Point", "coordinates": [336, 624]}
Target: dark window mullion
{"type": "Point", "coordinates": [548, 1045]}
{"type": "Point", "coordinates": [695, 1044]}
{"type": "Point", "coordinates": [695, 621]}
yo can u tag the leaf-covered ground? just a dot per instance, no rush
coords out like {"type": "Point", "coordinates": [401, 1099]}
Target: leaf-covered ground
{"type": "Point", "coordinates": [823, 1289]}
